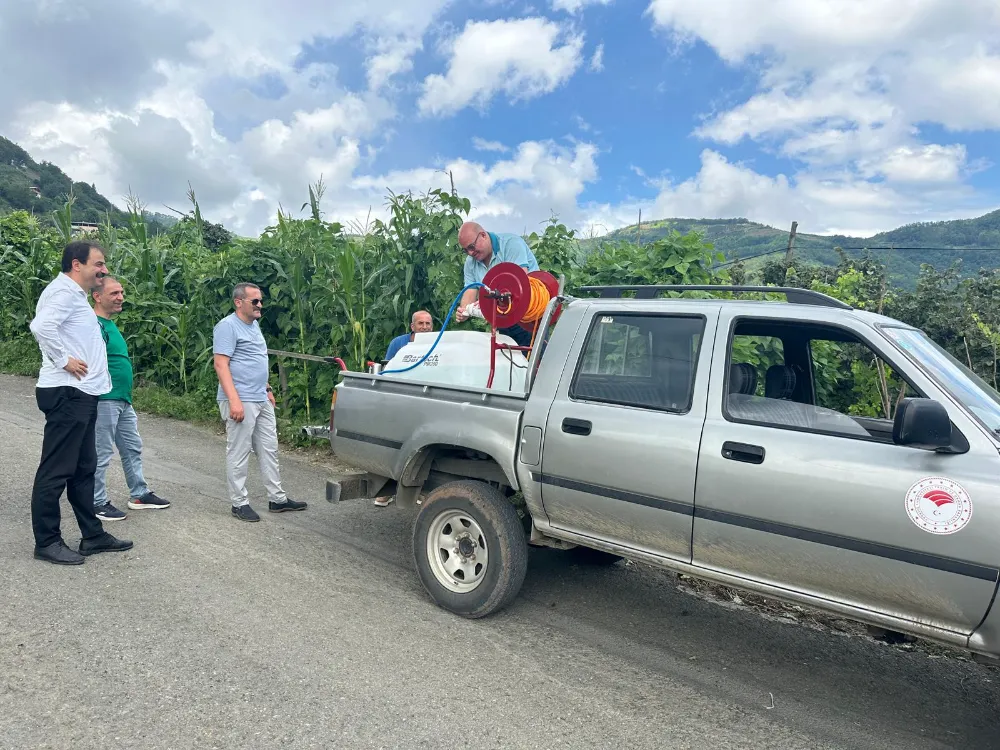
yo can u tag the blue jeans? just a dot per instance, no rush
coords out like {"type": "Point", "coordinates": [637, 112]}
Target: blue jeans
{"type": "Point", "coordinates": [117, 425]}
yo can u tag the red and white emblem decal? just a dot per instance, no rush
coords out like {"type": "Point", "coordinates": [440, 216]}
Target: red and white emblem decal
{"type": "Point", "coordinates": [939, 505]}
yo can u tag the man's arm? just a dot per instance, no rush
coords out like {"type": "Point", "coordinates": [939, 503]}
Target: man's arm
{"type": "Point", "coordinates": [468, 296]}
{"type": "Point", "coordinates": [45, 328]}
{"type": "Point", "coordinates": [228, 387]}
{"type": "Point", "coordinates": [223, 348]}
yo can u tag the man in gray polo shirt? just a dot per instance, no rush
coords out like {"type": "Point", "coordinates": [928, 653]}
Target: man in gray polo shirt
{"type": "Point", "coordinates": [247, 403]}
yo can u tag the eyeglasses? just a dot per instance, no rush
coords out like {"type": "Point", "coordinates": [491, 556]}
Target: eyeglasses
{"type": "Point", "coordinates": [471, 248]}
{"type": "Point", "coordinates": [256, 301]}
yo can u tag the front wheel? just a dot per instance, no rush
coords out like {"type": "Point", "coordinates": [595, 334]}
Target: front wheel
{"type": "Point", "coordinates": [469, 548]}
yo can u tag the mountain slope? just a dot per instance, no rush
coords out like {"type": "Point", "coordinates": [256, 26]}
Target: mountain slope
{"type": "Point", "coordinates": [740, 238]}
{"type": "Point", "coordinates": [42, 188]}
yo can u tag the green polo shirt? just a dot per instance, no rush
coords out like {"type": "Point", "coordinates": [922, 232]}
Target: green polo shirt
{"type": "Point", "coordinates": [119, 364]}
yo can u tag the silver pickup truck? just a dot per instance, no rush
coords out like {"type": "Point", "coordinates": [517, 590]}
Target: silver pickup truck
{"type": "Point", "coordinates": [800, 449]}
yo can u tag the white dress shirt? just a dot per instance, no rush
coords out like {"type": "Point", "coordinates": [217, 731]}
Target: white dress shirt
{"type": "Point", "coordinates": [65, 326]}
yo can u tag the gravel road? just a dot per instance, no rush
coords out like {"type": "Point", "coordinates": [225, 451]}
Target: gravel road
{"type": "Point", "coordinates": [311, 630]}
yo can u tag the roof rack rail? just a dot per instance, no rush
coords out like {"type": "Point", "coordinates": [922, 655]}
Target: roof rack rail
{"type": "Point", "coordinates": [794, 296]}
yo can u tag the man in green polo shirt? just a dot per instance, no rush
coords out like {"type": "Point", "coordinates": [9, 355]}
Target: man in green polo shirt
{"type": "Point", "coordinates": [117, 424]}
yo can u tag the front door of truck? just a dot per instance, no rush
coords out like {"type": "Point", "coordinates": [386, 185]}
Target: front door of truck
{"type": "Point", "coordinates": [800, 484]}
{"type": "Point", "coordinates": [620, 449]}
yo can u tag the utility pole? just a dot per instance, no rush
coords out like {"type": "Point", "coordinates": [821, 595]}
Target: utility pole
{"type": "Point", "coordinates": [791, 244]}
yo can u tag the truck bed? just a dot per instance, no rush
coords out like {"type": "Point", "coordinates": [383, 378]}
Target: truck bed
{"type": "Point", "coordinates": [390, 420]}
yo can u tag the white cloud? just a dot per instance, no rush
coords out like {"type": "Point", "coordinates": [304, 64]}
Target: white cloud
{"type": "Point", "coordinates": [242, 99]}
{"type": "Point", "coordinates": [394, 56]}
{"type": "Point", "coordinates": [514, 194]}
{"type": "Point", "coordinates": [575, 6]}
{"type": "Point", "coordinates": [857, 59]}
{"type": "Point", "coordinates": [927, 164]}
{"type": "Point", "coordinates": [784, 110]}
{"type": "Point", "coordinates": [843, 204]}
{"type": "Point", "coordinates": [810, 33]}
{"type": "Point", "coordinates": [597, 61]}
{"type": "Point", "coordinates": [483, 145]}
{"type": "Point", "coordinates": [846, 86]}
{"type": "Point", "coordinates": [215, 93]}
{"type": "Point", "coordinates": [248, 35]}
{"type": "Point", "coordinates": [41, 42]}
{"type": "Point", "coordinates": [521, 58]}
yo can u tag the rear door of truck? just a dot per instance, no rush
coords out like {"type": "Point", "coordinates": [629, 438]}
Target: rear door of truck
{"type": "Point", "coordinates": [620, 449]}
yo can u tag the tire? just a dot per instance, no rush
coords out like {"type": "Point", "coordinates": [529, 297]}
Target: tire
{"type": "Point", "coordinates": [591, 556]}
{"type": "Point", "coordinates": [475, 520]}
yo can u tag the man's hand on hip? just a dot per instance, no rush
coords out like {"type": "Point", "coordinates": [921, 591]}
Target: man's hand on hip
{"type": "Point", "coordinates": [236, 410]}
{"type": "Point", "coordinates": [76, 367]}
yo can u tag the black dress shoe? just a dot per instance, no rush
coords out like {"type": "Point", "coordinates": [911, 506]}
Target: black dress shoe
{"type": "Point", "coordinates": [104, 543]}
{"type": "Point", "coordinates": [286, 506]}
{"type": "Point", "coordinates": [58, 553]}
{"type": "Point", "coordinates": [245, 513]}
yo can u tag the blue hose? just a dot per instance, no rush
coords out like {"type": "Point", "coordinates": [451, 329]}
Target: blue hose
{"type": "Point", "coordinates": [473, 285]}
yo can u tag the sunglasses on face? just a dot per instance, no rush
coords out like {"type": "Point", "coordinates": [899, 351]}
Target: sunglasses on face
{"type": "Point", "coordinates": [256, 301]}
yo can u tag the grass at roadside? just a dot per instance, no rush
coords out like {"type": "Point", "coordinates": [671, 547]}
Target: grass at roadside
{"type": "Point", "coordinates": [21, 357]}
{"type": "Point", "coordinates": [149, 398]}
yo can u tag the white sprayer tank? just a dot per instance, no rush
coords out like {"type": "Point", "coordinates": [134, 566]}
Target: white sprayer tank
{"type": "Point", "coordinates": [461, 358]}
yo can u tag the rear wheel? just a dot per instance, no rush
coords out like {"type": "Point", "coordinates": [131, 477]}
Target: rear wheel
{"type": "Point", "coordinates": [469, 548]}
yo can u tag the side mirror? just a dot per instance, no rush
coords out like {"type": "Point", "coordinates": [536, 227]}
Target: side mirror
{"type": "Point", "coordinates": [921, 423]}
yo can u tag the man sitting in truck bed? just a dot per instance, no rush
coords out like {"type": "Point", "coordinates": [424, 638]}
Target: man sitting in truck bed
{"type": "Point", "coordinates": [420, 322]}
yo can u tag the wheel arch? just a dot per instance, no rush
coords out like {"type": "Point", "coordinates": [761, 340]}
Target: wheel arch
{"type": "Point", "coordinates": [436, 463]}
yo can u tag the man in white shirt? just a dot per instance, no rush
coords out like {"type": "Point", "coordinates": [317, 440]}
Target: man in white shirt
{"type": "Point", "coordinates": [74, 373]}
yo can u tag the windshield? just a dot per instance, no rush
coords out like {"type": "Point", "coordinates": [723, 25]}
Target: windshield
{"type": "Point", "coordinates": [974, 392]}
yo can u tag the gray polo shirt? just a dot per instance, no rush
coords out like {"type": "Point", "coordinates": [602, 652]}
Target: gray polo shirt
{"type": "Point", "coordinates": [244, 344]}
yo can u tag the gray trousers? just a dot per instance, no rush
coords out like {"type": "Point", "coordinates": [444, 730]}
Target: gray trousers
{"type": "Point", "coordinates": [258, 431]}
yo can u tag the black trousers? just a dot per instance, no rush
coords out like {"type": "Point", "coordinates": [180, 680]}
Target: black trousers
{"type": "Point", "coordinates": [520, 335]}
{"type": "Point", "coordinates": [69, 459]}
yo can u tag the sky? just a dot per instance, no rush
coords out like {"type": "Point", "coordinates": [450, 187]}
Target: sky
{"type": "Point", "coordinates": [847, 116]}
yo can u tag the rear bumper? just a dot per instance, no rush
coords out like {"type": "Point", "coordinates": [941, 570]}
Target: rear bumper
{"type": "Point", "coordinates": [351, 486]}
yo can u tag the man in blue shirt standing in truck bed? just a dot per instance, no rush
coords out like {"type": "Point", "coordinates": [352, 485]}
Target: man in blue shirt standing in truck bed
{"type": "Point", "coordinates": [484, 250]}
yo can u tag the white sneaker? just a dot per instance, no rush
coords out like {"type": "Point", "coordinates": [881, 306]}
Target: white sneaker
{"type": "Point", "coordinates": [382, 501]}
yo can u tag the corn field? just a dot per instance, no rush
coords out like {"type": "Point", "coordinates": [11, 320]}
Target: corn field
{"type": "Point", "coordinates": [327, 291]}
{"type": "Point", "coordinates": [333, 292]}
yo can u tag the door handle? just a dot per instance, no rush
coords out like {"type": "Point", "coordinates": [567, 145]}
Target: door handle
{"type": "Point", "coordinates": [751, 454]}
{"type": "Point", "coordinates": [576, 426]}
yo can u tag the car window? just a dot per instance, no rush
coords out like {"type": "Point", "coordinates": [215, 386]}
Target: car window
{"type": "Point", "coordinates": [640, 360]}
{"type": "Point", "coordinates": [853, 379]}
{"type": "Point", "coordinates": [811, 377]}
{"type": "Point", "coordinates": [617, 346]}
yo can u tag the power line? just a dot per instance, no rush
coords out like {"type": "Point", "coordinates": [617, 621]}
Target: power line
{"type": "Point", "coordinates": [890, 247]}
{"type": "Point", "coordinates": [875, 247]}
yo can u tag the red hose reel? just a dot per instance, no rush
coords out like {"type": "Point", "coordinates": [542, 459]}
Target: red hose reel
{"type": "Point", "coordinates": [510, 296]}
